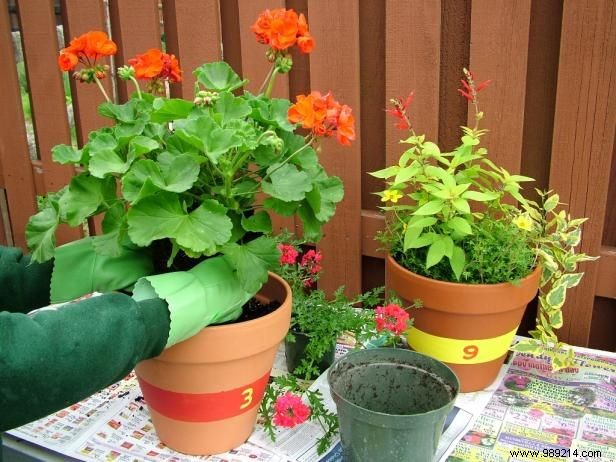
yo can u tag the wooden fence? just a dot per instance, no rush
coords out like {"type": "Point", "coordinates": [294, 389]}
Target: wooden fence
{"type": "Point", "coordinates": [551, 107]}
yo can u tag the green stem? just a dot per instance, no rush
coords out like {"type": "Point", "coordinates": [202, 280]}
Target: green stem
{"type": "Point", "coordinates": [102, 89]}
{"type": "Point", "coordinates": [267, 77]}
{"type": "Point", "coordinates": [270, 85]}
{"type": "Point", "coordinates": [134, 80]}
{"type": "Point", "coordinates": [286, 161]}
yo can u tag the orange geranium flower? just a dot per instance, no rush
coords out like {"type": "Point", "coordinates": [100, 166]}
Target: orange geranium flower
{"type": "Point", "coordinates": [324, 116]}
{"type": "Point", "coordinates": [281, 29]}
{"type": "Point", "coordinates": [154, 64]}
{"type": "Point", "coordinates": [86, 48]}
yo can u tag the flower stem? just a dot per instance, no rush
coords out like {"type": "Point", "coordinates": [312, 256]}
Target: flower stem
{"type": "Point", "coordinates": [134, 80]}
{"type": "Point", "coordinates": [102, 89]}
{"type": "Point", "coordinates": [270, 85]}
{"type": "Point", "coordinates": [267, 77]}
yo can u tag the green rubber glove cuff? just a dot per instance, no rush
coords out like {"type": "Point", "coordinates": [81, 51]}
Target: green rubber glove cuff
{"type": "Point", "coordinates": [209, 293]}
{"type": "Point", "coordinates": [79, 270]}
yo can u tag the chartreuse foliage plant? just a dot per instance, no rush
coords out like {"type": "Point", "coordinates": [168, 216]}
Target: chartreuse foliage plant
{"type": "Point", "coordinates": [190, 172]}
{"type": "Point", "coordinates": [456, 216]}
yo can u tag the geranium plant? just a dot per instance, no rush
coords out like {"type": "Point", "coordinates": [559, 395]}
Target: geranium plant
{"type": "Point", "coordinates": [456, 216]}
{"type": "Point", "coordinates": [201, 177]}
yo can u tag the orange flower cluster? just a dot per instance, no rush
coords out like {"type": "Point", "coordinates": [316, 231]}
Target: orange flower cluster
{"type": "Point", "coordinates": [86, 48]}
{"type": "Point", "coordinates": [324, 116]}
{"type": "Point", "coordinates": [154, 64]}
{"type": "Point", "coordinates": [282, 28]}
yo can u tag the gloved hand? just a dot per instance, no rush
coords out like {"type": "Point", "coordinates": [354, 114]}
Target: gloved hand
{"type": "Point", "coordinates": [209, 293]}
{"type": "Point", "coordinates": [79, 269]}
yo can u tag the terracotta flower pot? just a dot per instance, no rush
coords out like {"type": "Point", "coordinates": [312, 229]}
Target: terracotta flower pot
{"type": "Point", "coordinates": [204, 393]}
{"type": "Point", "coordinates": [467, 326]}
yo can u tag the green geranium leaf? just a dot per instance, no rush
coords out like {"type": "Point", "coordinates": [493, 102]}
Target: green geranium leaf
{"type": "Point", "coordinates": [231, 107]}
{"type": "Point", "coordinates": [166, 110]}
{"type": "Point", "coordinates": [204, 134]}
{"type": "Point", "coordinates": [312, 226]}
{"type": "Point", "coordinates": [430, 208]}
{"type": "Point", "coordinates": [272, 112]}
{"type": "Point", "coordinates": [331, 191]}
{"type": "Point", "coordinates": [141, 145]}
{"type": "Point", "coordinates": [104, 162]}
{"type": "Point", "coordinates": [265, 155]}
{"type": "Point", "coordinates": [124, 132]}
{"type": "Point", "coordinates": [163, 216]}
{"type": "Point", "coordinates": [218, 76]}
{"type": "Point", "coordinates": [282, 208]}
{"type": "Point", "coordinates": [260, 222]}
{"type": "Point", "coordinates": [64, 154]}
{"type": "Point", "coordinates": [102, 142]}
{"type": "Point", "coordinates": [252, 261]}
{"type": "Point", "coordinates": [41, 233]}
{"type": "Point", "coordinates": [147, 177]}
{"type": "Point", "coordinates": [119, 112]}
{"type": "Point", "coordinates": [286, 183]}
{"type": "Point", "coordinates": [84, 196]}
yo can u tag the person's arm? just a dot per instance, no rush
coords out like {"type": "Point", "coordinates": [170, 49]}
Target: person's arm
{"type": "Point", "coordinates": [24, 284]}
{"type": "Point", "coordinates": [56, 357]}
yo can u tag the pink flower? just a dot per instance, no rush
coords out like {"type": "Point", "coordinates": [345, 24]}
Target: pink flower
{"type": "Point", "coordinates": [290, 411]}
{"type": "Point", "coordinates": [536, 413]}
{"type": "Point", "coordinates": [391, 317]}
{"type": "Point", "coordinates": [311, 260]}
{"type": "Point", "coordinates": [288, 254]}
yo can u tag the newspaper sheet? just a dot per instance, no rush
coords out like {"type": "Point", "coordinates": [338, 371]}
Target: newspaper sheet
{"type": "Point", "coordinates": [570, 415]}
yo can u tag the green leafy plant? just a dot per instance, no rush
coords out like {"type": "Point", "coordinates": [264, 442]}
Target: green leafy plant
{"type": "Point", "coordinates": [456, 216]}
{"type": "Point", "coordinates": [202, 176]}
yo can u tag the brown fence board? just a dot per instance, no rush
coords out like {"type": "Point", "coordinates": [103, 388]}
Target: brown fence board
{"type": "Point", "coordinates": [192, 32]}
{"type": "Point", "coordinates": [335, 66]}
{"type": "Point", "coordinates": [79, 17]}
{"type": "Point", "coordinates": [14, 156]}
{"type": "Point", "coordinates": [583, 143]}
{"type": "Point", "coordinates": [499, 51]}
{"type": "Point", "coordinates": [48, 101]}
{"type": "Point", "coordinates": [135, 26]}
{"type": "Point", "coordinates": [255, 68]}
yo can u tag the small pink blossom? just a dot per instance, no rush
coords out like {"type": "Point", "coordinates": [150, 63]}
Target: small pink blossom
{"type": "Point", "coordinates": [391, 317]}
{"type": "Point", "coordinates": [288, 254]}
{"type": "Point", "coordinates": [290, 411]}
{"type": "Point", "coordinates": [536, 413]}
{"type": "Point", "coordinates": [311, 260]}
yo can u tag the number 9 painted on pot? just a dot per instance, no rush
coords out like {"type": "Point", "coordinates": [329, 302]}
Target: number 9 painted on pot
{"type": "Point", "coordinates": [470, 352]}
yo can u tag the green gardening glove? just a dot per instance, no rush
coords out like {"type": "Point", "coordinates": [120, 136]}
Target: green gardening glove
{"type": "Point", "coordinates": [209, 293]}
{"type": "Point", "coordinates": [79, 269]}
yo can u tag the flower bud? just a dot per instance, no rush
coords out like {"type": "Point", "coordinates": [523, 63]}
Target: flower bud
{"type": "Point", "coordinates": [284, 64]}
{"type": "Point", "coordinates": [270, 54]}
{"type": "Point", "coordinates": [126, 72]}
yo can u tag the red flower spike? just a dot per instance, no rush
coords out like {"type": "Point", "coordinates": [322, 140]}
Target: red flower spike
{"type": "Point", "coordinates": [482, 85]}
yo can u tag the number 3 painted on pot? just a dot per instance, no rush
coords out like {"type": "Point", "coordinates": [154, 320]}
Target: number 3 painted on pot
{"type": "Point", "coordinates": [247, 394]}
{"type": "Point", "coordinates": [470, 351]}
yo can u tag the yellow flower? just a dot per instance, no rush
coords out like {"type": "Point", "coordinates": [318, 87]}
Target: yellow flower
{"type": "Point", "coordinates": [523, 222]}
{"type": "Point", "coordinates": [391, 195]}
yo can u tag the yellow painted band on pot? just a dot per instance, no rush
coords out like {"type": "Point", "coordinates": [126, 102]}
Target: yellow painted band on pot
{"type": "Point", "coordinates": [456, 351]}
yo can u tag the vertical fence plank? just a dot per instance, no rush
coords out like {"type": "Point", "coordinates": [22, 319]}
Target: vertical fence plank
{"type": "Point", "coordinates": [255, 67]}
{"type": "Point", "coordinates": [14, 155]}
{"type": "Point", "coordinates": [412, 63]}
{"type": "Point", "coordinates": [40, 46]}
{"type": "Point", "coordinates": [499, 51]}
{"type": "Point", "coordinates": [334, 66]}
{"type": "Point", "coordinates": [192, 32]}
{"type": "Point", "coordinates": [583, 143]}
{"type": "Point", "coordinates": [79, 17]}
{"type": "Point", "coordinates": [135, 26]}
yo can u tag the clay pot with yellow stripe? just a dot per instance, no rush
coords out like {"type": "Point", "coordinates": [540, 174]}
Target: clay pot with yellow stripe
{"type": "Point", "coordinates": [467, 326]}
{"type": "Point", "coordinates": [204, 393]}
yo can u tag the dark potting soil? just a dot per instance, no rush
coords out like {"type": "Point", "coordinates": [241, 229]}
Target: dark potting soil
{"type": "Point", "coordinates": [254, 309]}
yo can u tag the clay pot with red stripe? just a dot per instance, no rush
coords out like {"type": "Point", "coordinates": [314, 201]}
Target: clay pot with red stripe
{"type": "Point", "coordinates": [469, 327]}
{"type": "Point", "coordinates": [204, 393]}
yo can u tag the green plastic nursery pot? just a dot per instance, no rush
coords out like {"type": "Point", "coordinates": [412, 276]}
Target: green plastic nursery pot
{"type": "Point", "coordinates": [295, 352]}
{"type": "Point", "coordinates": [392, 404]}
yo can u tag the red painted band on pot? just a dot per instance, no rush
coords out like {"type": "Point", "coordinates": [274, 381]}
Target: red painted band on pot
{"type": "Point", "coordinates": [204, 407]}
